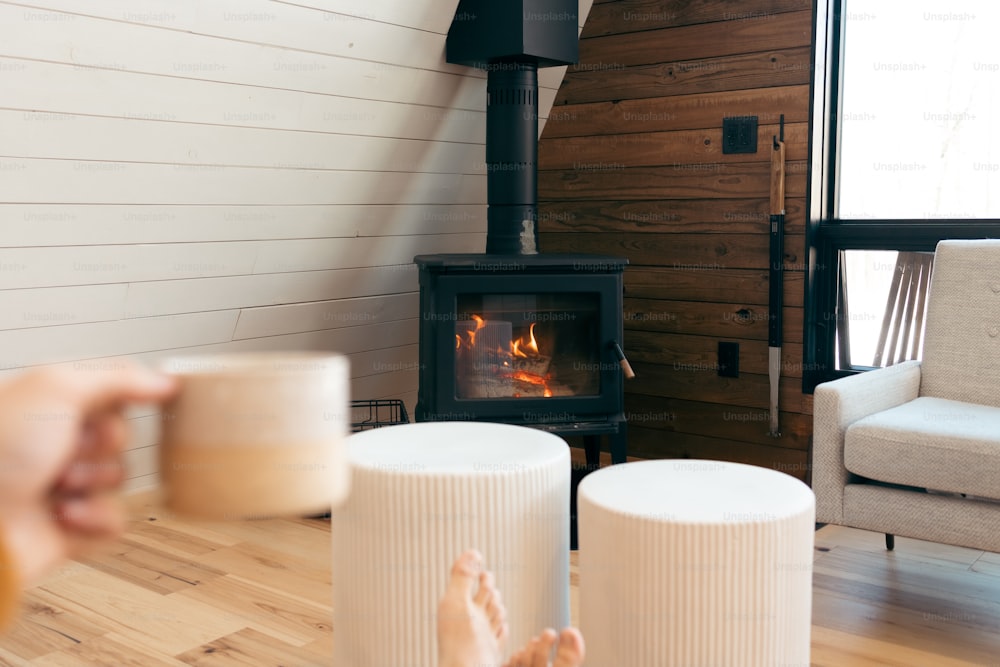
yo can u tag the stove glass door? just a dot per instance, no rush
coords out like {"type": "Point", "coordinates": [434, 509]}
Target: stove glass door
{"type": "Point", "coordinates": [530, 345]}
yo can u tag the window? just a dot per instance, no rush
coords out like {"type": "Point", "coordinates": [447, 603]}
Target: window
{"type": "Point", "coordinates": [905, 152]}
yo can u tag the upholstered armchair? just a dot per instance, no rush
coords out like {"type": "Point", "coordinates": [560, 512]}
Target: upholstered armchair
{"type": "Point", "coordinates": [914, 449]}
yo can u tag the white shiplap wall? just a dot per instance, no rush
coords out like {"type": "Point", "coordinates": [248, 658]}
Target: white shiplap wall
{"type": "Point", "coordinates": [217, 175]}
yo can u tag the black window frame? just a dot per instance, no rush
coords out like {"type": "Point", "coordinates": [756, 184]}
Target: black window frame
{"type": "Point", "coordinates": [827, 234]}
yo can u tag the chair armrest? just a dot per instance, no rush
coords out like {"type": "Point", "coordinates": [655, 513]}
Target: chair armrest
{"type": "Point", "coordinates": [837, 405]}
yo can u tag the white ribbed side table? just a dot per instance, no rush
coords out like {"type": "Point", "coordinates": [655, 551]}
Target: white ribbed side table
{"type": "Point", "coordinates": [695, 563]}
{"type": "Point", "coordinates": [423, 493]}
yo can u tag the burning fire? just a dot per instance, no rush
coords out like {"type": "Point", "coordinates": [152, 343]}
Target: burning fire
{"type": "Point", "coordinates": [480, 323]}
{"type": "Point", "coordinates": [535, 379]}
{"type": "Point", "coordinates": [523, 348]}
{"type": "Point", "coordinates": [531, 344]}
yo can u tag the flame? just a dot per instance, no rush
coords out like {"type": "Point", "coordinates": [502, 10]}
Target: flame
{"type": "Point", "coordinates": [523, 347]}
{"type": "Point", "coordinates": [531, 344]}
{"type": "Point", "coordinates": [480, 323]}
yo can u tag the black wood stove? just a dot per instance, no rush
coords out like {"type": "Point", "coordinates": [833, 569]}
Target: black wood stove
{"type": "Point", "coordinates": [512, 335]}
{"type": "Point", "coordinates": [532, 340]}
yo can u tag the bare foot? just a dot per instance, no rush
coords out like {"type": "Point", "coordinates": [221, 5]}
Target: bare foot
{"type": "Point", "coordinates": [537, 652]}
{"type": "Point", "coordinates": [472, 623]}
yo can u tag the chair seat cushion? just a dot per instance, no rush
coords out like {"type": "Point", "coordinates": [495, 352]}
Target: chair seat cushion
{"type": "Point", "coordinates": [933, 443]}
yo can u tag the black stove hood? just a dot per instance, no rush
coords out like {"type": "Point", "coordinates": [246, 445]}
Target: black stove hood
{"type": "Point", "coordinates": [510, 40]}
{"type": "Point", "coordinates": [485, 32]}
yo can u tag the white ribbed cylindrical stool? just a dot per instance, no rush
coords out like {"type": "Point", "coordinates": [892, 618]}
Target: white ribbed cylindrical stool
{"type": "Point", "coordinates": [421, 495]}
{"type": "Point", "coordinates": [695, 563]}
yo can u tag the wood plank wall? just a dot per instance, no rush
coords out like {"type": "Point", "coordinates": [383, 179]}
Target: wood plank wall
{"type": "Point", "coordinates": [632, 165]}
{"type": "Point", "coordinates": [185, 176]}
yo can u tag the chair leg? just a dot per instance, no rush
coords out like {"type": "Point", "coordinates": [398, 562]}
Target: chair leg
{"type": "Point", "coordinates": [890, 541]}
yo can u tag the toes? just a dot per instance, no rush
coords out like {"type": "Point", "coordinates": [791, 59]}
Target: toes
{"type": "Point", "coordinates": [487, 589]}
{"type": "Point", "coordinates": [502, 631]}
{"type": "Point", "coordinates": [542, 648]}
{"type": "Point", "coordinates": [454, 604]}
{"type": "Point", "coordinates": [464, 573]}
{"type": "Point", "coordinates": [536, 653]}
{"type": "Point", "coordinates": [519, 659]}
{"type": "Point", "coordinates": [488, 598]}
{"type": "Point", "coordinates": [497, 614]}
{"type": "Point", "coordinates": [571, 649]}
{"type": "Point", "coordinates": [528, 653]}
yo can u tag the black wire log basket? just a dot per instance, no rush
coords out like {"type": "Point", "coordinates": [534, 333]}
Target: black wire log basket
{"type": "Point", "coordinates": [376, 413]}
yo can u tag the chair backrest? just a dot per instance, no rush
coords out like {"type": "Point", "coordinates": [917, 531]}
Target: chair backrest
{"type": "Point", "coordinates": [961, 358]}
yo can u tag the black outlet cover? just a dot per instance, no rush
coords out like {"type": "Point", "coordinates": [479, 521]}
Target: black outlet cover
{"type": "Point", "coordinates": [739, 134]}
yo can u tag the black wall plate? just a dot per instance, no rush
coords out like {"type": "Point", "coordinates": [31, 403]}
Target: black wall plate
{"type": "Point", "coordinates": [739, 134]}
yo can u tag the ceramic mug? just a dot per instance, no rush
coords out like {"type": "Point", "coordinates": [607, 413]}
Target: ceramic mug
{"type": "Point", "coordinates": [256, 435]}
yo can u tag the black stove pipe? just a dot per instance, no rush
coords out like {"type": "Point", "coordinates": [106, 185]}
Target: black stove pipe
{"type": "Point", "coordinates": [512, 158]}
{"type": "Point", "coordinates": [511, 39]}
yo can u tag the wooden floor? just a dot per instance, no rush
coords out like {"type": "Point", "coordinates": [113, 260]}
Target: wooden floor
{"type": "Point", "coordinates": [178, 593]}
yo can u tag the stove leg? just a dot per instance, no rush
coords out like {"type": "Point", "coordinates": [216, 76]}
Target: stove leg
{"type": "Point", "coordinates": [592, 447]}
{"type": "Point", "coordinates": [619, 444]}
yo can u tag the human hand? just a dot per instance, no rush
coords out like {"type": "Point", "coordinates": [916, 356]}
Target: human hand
{"type": "Point", "coordinates": [62, 433]}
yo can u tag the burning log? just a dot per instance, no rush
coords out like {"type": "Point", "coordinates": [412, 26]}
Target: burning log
{"type": "Point", "coordinates": [492, 363]}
